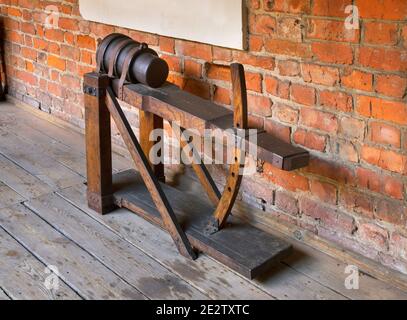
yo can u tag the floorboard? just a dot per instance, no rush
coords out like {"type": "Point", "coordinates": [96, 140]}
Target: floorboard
{"type": "Point", "coordinates": [82, 272]}
{"type": "Point", "coordinates": [128, 262]}
{"type": "Point", "coordinates": [23, 277]}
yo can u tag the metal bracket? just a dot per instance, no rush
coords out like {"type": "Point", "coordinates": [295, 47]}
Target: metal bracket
{"type": "Point", "coordinates": [92, 91]}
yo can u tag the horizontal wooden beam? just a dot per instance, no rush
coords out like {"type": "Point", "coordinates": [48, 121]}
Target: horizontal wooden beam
{"type": "Point", "coordinates": [173, 104]}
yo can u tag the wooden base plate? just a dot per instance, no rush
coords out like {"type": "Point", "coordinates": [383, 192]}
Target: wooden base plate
{"type": "Point", "coordinates": [244, 248]}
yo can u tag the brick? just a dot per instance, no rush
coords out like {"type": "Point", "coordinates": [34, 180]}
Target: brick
{"type": "Point", "coordinates": [285, 114]}
{"type": "Point", "coordinates": [288, 48]}
{"type": "Point", "coordinates": [222, 54]}
{"type": "Point", "coordinates": [253, 81]}
{"type": "Point", "coordinates": [387, 59]}
{"type": "Point", "coordinates": [264, 24]}
{"type": "Point", "coordinates": [255, 43]}
{"type": "Point", "coordinates": [331, 170]}
{"type": "Point", "coordinates": [195, 50]}
{"type": "Point", "coordinates": [288, 180]}
{"type": "Point", "coordinates": [320, 74]}
{"type": "Point", "coordinates": [385, 134]}
{"type": "Point", "coordinates": [286, 202]}
{"type": "Point", "coordinates": [222, 95]}
{"type": "Point", "coordinates": [355, 201]}
{"type": "Point", "coordinates": [86, 42]}
{"type": "Point", "coordinates": [218, 72]}
{"type": "Point", "coordinates": [56, 62]}
{"type": "Point", "coordinates": [404, 36]}
{"type": "Point", "coordinates": [292, 6]}
{"type": "Point", "coordinates": [347, 151]}
{"type": "Point", "coordinates": [54, 35]}
{"type": "Point", "coordinates": [380, 183]}
{"type": "Point", "coordinates": [267, 63]}
{"type": "Point", "coordinates": [259, 105]}
{"type": "Point", "coordinates": [386, 159]}
{"type": "Point", "coordinates": [302, 94]}
{"type": "Point", "coordinates": [352, 128]}
{"type": "Point", "coordinates": [150, 39]}
{"type": "Point", "coordinates": [391, 85]}
{"type": "Point", "coordinates": [319, 120]}
{"type": "Point", "coordinates": [288, 68]}
{"type": "Point", "coordinates": [167, 44]}
{"type": "Point", "coordinates": [198, 88]}
{"type": "Point", "coordinates": [358, 80]}
{"type": "Point", "coordinates": [385, 10]}
{"type": "Point", "coordinates": [174, 63]}
{"type": "Point", "coordinates": [330, 8]}
{"type": "Point", "coordinates": [27, 77]}
{"type": "Point", "coordinates": [278, 130]}
{"type": "Point", "coordinates": [392, 212]}
{"type": "Point", "coordinates": [325, 191]}
{"type": "Point", "coordinates": [336, 100]}
{"type": "Point", "coordinates": [29, 53]}
{"type": "Point", "coordinates": [327, 216]}
{"type": "Point", "coordinates": [337, 53]}
{"type": "Point", "coordinates": [373, 235]}
{"type": "Point", "coordinates": [310, 140]}
{"type": "Point", "coordinates": [254, 4]}
{"type": "Point", "coordinates": [331, 30]}
{"type": "Point", "coordinates": [382, 109]}
{"type": "Point", "coordinates": [289, 28]}
{"type": "Point", "coordinates": [380, 33]}
{"type": "Point", "coordinates": [192, 69]}
{"type": "Point", "coordinates": [277, 88]}
{"type": "Point", "coordinates": [14, 12]}
{"type": "Point", "coordinates": [68, 24]}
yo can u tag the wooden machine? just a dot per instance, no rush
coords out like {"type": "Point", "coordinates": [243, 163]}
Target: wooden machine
{"type": "Point", "coordinates": [131, 72]}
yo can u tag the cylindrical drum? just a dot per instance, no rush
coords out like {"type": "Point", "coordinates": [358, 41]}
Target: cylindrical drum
{"type": "Point", "coordinates": [118, 52]}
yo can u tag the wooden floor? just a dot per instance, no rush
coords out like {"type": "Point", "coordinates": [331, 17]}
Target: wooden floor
{"type": "Point", "coordinates": [44, 221]}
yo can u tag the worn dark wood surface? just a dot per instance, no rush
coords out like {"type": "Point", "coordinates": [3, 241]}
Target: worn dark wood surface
{"type": "Point", "coordinates": [173, 104]}
{"type": "Point", "coordinates": [243, 248]}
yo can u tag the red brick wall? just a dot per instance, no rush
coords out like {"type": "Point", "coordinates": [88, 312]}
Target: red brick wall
{"type": "Point", "coordinates": [339, 93]}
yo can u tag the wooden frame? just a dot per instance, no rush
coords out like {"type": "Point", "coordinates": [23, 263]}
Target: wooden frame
{"type": "Point", "coordinates": [193, 225]}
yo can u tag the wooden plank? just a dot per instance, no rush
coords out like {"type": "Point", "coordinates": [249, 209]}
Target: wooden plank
{"type": "Point", "coordinates": [244, 249]}
{"type": "Point", "coordinates": [240, 122]}
{"type": "Point", "coordinates": [189, 111]}
{"type": "Point", "coordinates": [331, 272]}
{"type": "Point", "coordinates": [131, 264]}
{"type": "Point", "coordinates": [77, 268]}
{"type": "Point", "coordinates": [8, 196]}
{"type": "Point", "coordinates": [20, 180]}
{"type": "Point", "coordinates": [3, 295]}
{"type": "Point", "coordinates": [202, 273]}
{"type": "Point", "coordinates": [69, 144]}
{"type": "Point", "coordinates": [23, 277]}
{"type": "Point", "coordinates": [37, 163]}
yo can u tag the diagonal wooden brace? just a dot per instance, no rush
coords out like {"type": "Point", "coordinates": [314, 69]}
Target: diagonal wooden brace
{"type": "Point", "coordinates": [160, 200]}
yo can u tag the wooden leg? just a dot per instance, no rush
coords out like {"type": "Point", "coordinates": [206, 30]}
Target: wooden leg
{"type": "Point", "coordinates": [98, 144]}
{"type": "Point", "coordinates": [160, 200]}
{"type": "Point", "coordinates": [234, 178]}
{"type": "Point", "coordinates": [203, 174]}
{"type": "Point", "coordinates": [149, 122]}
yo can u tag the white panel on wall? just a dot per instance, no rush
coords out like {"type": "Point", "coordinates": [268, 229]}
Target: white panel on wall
{"type": "Point", "coordinates": [217, 22]}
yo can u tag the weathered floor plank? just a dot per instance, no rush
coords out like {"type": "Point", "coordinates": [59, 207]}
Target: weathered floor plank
{"type": "Point", "coordinates": [77, 268]}
{"type": "Point", "coordinates": [36, 162]}
{"type": "Point", "coordinates": [131, 264]}
{"type": "Point", "coordinates": [21, 181]}
{"type": "Point", "coordinates": [216, 280]}
{"type": "Point", "coordinates": [3, 295]}
{"type": "Point", "coordinates": [69, 145]}
{"type": "Point", "coordinates": [23, 277]}
{"type": "Point", "coordinates": [140, 232]}
{"type": "Point", "coordinates": [8, 196]}
{"type": "Point", "coordinates": [327, 270]}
